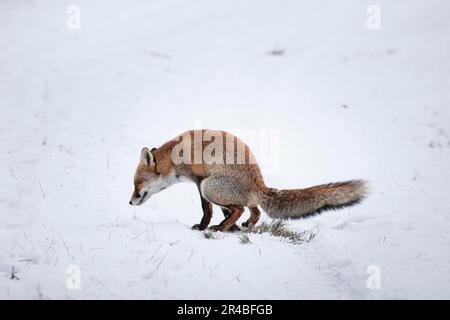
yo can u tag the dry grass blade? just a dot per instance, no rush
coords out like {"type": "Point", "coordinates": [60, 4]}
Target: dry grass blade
{"type": "Point", "coordinates": [245, 239]}
{"type": "Point", "coordinates": [209, 235]}
{"type": "Point", "coordinates": [278, 228]}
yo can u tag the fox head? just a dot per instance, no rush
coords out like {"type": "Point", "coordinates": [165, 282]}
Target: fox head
{"type": "Point", "coordinates": [147, 181]}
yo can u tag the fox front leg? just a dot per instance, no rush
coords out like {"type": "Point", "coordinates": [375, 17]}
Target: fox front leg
{"type": "Point", "coordinates": [207, 214]}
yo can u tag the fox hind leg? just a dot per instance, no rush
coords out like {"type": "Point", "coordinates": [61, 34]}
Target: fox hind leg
{"type": "Point", "coordinates": [227, 193]}
{"type": "Point", "coordinates": [225, 225]}
{"type": "Point", "coordinates": [226, 213]}
{"type": "Point", "coordinates": [254, 217]}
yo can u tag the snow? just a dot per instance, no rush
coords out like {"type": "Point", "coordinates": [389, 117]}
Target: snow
{"type": "Point", "coordinates": [347, 102]}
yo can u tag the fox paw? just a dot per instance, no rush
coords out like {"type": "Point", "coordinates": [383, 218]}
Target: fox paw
{"type": "Point", "coordinates": [198, 226]}
{"type": "Point", "coordinates": [219, 227]}
{"type": "Point", "coordinates": [234, 228]}
{"type": "Point", "coordinates": [216, 228]}
{"type": "Point", "coordinates": [247, 224]}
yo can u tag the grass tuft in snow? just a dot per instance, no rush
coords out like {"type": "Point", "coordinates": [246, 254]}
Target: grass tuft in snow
{"type": "Point", "coordinates": [210, 235]}
{"type": "Point", "coordinates": [245, 239]}
{"type": "Point", "coordinates": [278, 228]}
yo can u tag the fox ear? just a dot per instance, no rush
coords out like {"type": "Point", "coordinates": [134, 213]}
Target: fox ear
{"type": "Point", "coordinates": [147, 157]}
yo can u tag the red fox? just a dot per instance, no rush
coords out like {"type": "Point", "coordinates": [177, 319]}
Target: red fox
{"type": "Point", "coordinates": [227, 174]}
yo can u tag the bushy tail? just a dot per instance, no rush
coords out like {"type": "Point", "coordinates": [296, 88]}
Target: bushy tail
{"type": "Point", "coordinates": [300, 203]}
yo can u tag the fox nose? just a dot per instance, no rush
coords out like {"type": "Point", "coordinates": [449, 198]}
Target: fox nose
{"type": "Point", "coordinates": [130, 203]}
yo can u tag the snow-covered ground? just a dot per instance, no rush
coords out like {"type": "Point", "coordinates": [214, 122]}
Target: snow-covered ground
{"type": "Point", "coordinates": [77, 105]}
